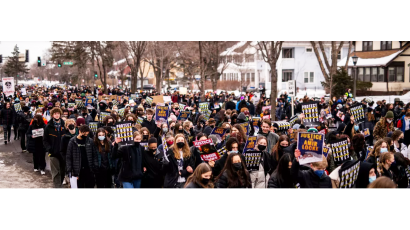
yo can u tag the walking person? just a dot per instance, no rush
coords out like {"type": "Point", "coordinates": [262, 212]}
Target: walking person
{"type": "Point", "coordinates": [104, 168]}
{"type": "Point", "coordinates": [7, 118]}
{"type": "Point", "coordinates": [35, 144]}
{"type": "Point", "coordinates": [24, 123]}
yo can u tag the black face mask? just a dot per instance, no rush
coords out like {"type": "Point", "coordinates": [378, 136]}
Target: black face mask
{"type": "Point", "coordinates": [180, 145]}
{"type": "Point", "coordinates": [400, 141]}
{"type": "Point", "coordinates": [137, 144]}
{"type": "Point", "coordinates": [237, 166]}
{"type": "Point", "coordinates": [205, 181]}
{"type": "Point", "coordinates": [153, 150]}
{"type": "Point", "coordinates": [391, 148]}
{"type": "Point", "coordinates": [71, 127]}
{"type": "Point", "coordinates": [110, 124]}
{"type": "Point", "coordinates": [84, 114]}
{"type": "Point", "coordinates": [261, 147]}
{"type": "Point", "coordinates": [145, 137]}
{"type": "Point", "coordinates": [181, 131]}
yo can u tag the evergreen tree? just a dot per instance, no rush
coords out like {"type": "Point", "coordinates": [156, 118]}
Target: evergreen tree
{"type": "Point", "coordinates": [342, 81]}
{"type": "Point", "coordinates": [13, 67]}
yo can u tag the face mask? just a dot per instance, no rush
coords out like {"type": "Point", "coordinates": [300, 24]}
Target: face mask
{"type": "Point", "coordinates": [137, 144]}
{"type": "Point", "coordinates": [205, 181]}
{"type": "Point", "coordinates": [356, 128]}
{"type": "Point", "coordinates": [391, 148]}
{"type": "Point", "coordinates": [237, 166]}
{"type": "Point", "coordinates": [400, 140]}
{"type": "Point", "coordinates": [234, 151]}
{"type": "Point", "coordinates": [101, 138]}
{"type": "Point", "coordinates": [181, 144]}
{"type": "Point", "coordinates": [181, 131]}
{"type": "Point", "coordinates": [389, 121]}
{"type": "Point", "coordinates": [407, 114]}
{"type": "Point", "coordinates": [153, 150]}
{"type": "Point", "coordinates": [319, 173]}
{"type": "Point", "coordinates": [383, 150]}
{"type": "Point", "coordinates": [71, 127]}
{"type": "Point", "coordinates": [261, 147]}
{"type": "Point", "coordinates": [110, 124]}
{"type": "Point", "coordinates": [372, 178]}
{"type": "Point", "coordinates": [145, 137]}
{"type": "Point", "coordinates": [170, 143]}
{"type": "Point", "coordinates": [164, 130]}
{"type": "Point", "coordinates": [84, 114]}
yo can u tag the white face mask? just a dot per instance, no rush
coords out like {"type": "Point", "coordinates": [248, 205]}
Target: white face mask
{"type": "Point", "coordinates": [389, 121]}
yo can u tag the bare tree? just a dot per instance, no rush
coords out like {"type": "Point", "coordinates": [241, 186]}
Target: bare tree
{"type": "Point", "coordinates": [102, 55]}
{"type": "Point", "coordinates": [133, 52]}
{"type": "Point", "coordinates": [271, 51]}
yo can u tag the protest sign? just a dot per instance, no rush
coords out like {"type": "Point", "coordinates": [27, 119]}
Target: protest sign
{"type": "Point", "coordinates": [93, 126]}
{"type": "Point", "coordinates": [311, 147]}
{"type": "Point", "coordinates": [366, 132]}
{"type": "Point", "coordinates": [183, 115]}
{"type": "Point", "coordinates": [103, 115]}
{"type": "Point", "coordinates": [158, 99]}
{"type": "Point", "coordinates": [311, 112]}
{"type": "Point", "coordinates": [203, 106]}
{"type": "Point", "coordinates": [207, 150]}
{"type": "Point", "coordinates": [17, 107]}
{"type": "Point", "coordinates": [368, 150]}
{"type": "Point", "coordinates": [134, 96]}
{"type": "Point", "coordinates": [23, 91]}
{"type": "Point", "coordinates": [37, 132]}
{"type": "Point", "coordinates": [115, 102]}
{"type": "Point", "coordinates": [266, 108]}
{"type": "Point", "coordinates": [70, 106]}
{"type": "Point", "coordinates": [327, 113]}
{"type": "Point", "coordinates": [123, 130]}
{"type": "Point", "coordinates": [207, 114]}
{"type": "Point", "coordinates": [8, 86]}
{"type": "Point", "coordinates": [281, 125]}
{"type": "Point", "coordinates": [222, 151]}
{"type": "Point", "coordinates": [246, 127]}
{"type": "Point", "coordinates": [140, 120]}
{"type": "Point", "coordinates": [255, 121]}
{"type": "Point", "coordinates": [166, 99]}
{"type": "Point", "coordinates": [161, 113]}
{"type": "Point", "coordinates": [252, 159]}
{"type": "Point", "coordinates": [79, 103]}
{"type": "Point", "coordinates": [340, 150]}
{"type": "Point", "coordinates": [164, 144]}
{"type": "Point", "coordinates": [121, 112]}
{"type": "Point", "coordinates": [358, 113]}
{"type": "Point", "coordinates": [250, 144]}
{"type": "Point", "coordinates": [89, 100]}
{"type": "Point", "coordinates": [182, 90]}
{"type": "Point", "coordinates": [293, 119]}
{"type": "Point", "coordinates": [219, 132]}
{"type": "Point", "coordinates": [181, 107]}
{"type": "Point", "coordinates": [144, 144]}
{"type": "Point", "coordinates": [340, 115]}
{"type": "Point", "coordinates": [325, 151]}
{"type": "Point", "coordinates": [348, 174]}
{"type": "Point", "coordinates": [148, 100]}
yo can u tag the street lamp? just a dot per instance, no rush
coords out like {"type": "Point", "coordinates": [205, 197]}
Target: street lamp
{"type": "Point", "coordinates": [354, 58]}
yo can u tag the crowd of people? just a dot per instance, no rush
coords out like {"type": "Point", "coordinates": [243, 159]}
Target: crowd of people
{"type": "Point", "coordinates": [163, 154]}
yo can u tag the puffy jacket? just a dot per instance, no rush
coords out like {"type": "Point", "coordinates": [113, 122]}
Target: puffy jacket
{"type": "Point", "coordinates": [401, 124]}
{"type": "Point", "coordinates": [64, 142]}
{"type": "Point", "coordinates": [308, 179]}
{"type": "Point", "coordinates": [24, 122]}
{"type": "Point", "coordinates": [73, 157]}
{"type": "Point", "coordinates": [170, 168]}
{"type": "Point", "coordinates": [132, 161]}
{"type": "Point", "coordinates": [52, 138]}
{"type": "Point", "coordinates": [7, 116]}
{"type": "Point", "coordinates": [382, 129]}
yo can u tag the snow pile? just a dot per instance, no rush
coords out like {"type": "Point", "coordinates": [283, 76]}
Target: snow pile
{"type": "Point", "coordinates": [389, 98]}
{"type": "Point", "coordinates": [370, 61]}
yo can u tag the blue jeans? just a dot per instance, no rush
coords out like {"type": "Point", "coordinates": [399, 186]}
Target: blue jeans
{"type": "Point", "coordinates": [133, 184]}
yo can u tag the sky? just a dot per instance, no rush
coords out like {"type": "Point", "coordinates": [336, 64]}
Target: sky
{"type": "Point", "coordinates": [36, 49]}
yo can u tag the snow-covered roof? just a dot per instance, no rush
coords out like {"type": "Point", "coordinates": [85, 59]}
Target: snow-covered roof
{"type": "Point", "coordinates": [121, 61]}
{"type": "Point", "coordinates": [382, 61]}
{"type": "Point", "coordinates": [230, 51]}
{"type": "Point", "coordinates": [113, 72]}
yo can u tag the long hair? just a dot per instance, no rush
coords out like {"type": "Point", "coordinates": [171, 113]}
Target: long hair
{"type": "Point", "coordinates": [38, 119]}
{"type": "Point", "coordinates": [375, 152]}
{"type": "Point", "coordinates": [241, 132]}
{"type": "Point", "coordinates": [277, 147]}
{"type": "Point", "coordinates": [97, 141]}
{"type": "Point", "coordinates": [185, 150]}
{"type": "Point", "coordinates": [196, 177]}
{"type": "Point", "coordinates": [282, 172]}
{"type": "Point", "coordinates": [237, 178]}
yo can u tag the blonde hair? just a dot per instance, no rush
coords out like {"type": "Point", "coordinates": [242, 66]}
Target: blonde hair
{"type": "Point", "coordinates": [136, 133]}
{"type": "Point", "coordinates": [321, 164]}
{"type": "Point", "coordinates": [185, 150]}
{"type": "Point", "coordinates": [69, 122]}
{"type": "Point", "coordinates": [186, 124]}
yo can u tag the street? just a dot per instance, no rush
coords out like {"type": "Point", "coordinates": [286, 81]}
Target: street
{"type": "Point", "coordinates": [16, 168]}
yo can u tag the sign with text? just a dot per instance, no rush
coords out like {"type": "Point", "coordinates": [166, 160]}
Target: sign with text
{"type": "Point", "coordinates": [340, 150]}
{"type": "Point", "coordinates": [311, 147]}
{"type": "Point", "coordinates": [250, 144]}
{"type": "Point", "coordinates": [219, 132]}
{"type": "Point", "coordinates": [8, 86]}
{"type": "Point", "coordinates": [183, 115]}
{"type": "Point", "coordinates": [252, 159]}
{"type": "Point", "coordinates": [246, 127]}
{"type": "Point", "coordinates": [311, 112]}
{"type": "Point", "coordinates": [123, 130]}
{"type": "Point", "coordinates": [161, 113]}
{"type": "Point", "coordinates": [358, 113]}
{"type": "Point", "coordinates": [207, 150]}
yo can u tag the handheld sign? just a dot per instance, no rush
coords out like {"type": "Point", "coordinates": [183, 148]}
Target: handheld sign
{"type": "Point", "coordinates": [71, 106]}
{"type": "Point", "coordinates": [207, 150]}
{"type": "Point", "coordinates": [93, 126]}
{"type": "Point", "coordinates": [103, 115]}
{"type": "Point", "coordinates": [37, 132]}
{"type": "Point", "coordinates": [89, 100]}
{"type": "Point", "coordinates": [255, 121]}
{"type": "Point", "coordinates": [250, 144]}
{"type": "Point", "coordinates": [340, 150]}
{"type": "Point", "coordinates": [366, 132]}
{"type": "Point", "coordinates": [79, 103]}
{"type": "Point", "coordinates": [183, 115]}
{"type": "Point", "coordinates": [348, 174]}
{"type": "Point", "coordinates": [161, 113]}
{"type": "Point", "coordinates": [219, 132]}
{"type": "Point", "coordinates": [325, 151]}
{"type": "Point", "coordinates": [17, 107]}
{"type": "Point", "coordinates": [311, 147]}
{"type": "Point", "coordinates": [203, 106]}
{"type": "Point", "coordinates": [358, 113]}
{"type": "Point", "coordinates": [311, 112]}
{"type": "Point", "coordinates": [293, 119]}
{"type": "Point", "coordinates": [245, 127]}
{"type": "Point", "coordinates": [252, 159]}
{"type": "Point", "coordinates": [148, 100]}
{"type": "Point", "coordinates": [123, 130]}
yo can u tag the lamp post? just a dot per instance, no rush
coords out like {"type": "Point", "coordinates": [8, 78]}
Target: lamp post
{"type": "Point", "coordinates": [354, 58]}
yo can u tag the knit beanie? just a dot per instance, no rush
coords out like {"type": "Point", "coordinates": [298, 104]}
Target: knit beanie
{"type": "Point", "coordinates": [389, 114]}
{"type": "Point", "coordinates": [80, 121]}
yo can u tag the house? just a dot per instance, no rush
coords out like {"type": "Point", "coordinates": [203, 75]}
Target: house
{"type": "Point", "coordinates": [243, 62]}
{"type": "Point", "coordinates": [383, 63]}
{"type": "Point", "coordinates": [121, 65]}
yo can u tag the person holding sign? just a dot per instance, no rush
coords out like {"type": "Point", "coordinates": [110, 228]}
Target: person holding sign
{"type": "Point", "coordinates": [35, 144]}
{"type": "Point", "coordinates": [201, 178]}
{"type": "Point", "coordinates": [180, 164]}
{"type": "Point", "coordinates": [398, 143]}
{"type": "Point", "coordinates": [281, 177]}
{"type": "Point", "coordinates": [315, 177]}
{"type": "Point", "coordinates": [259, 179]}
{"type": "Point", "coordinates": [234, 174]}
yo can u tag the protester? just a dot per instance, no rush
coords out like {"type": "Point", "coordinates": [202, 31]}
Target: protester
{"type": "Point", "coordinates": [105, 166]}
{"type": "Point", "coordinates": [35, 144]}
{"type": "Point", "coordinates": [382, 182]}
{"type": "Point", "coordinates": [234, 174]}
{"type": "Point", "coordinates": [201, 178]}
{"type": "Point", "coordinates": [7, 118]}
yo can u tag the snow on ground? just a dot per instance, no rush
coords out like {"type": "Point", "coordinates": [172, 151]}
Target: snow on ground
{"type": "Point", "coordinates": [389, 98]}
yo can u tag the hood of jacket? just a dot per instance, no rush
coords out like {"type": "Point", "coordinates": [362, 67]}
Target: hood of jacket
{"type": "Point", "coordinates": [363, 177]}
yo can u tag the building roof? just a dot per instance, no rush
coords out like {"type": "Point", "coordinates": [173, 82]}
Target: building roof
{"type": "Point", "coordinates": [374, 58]}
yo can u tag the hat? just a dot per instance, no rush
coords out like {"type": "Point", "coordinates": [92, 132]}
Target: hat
{"type": "Point", "coordinates": [339, 106]}
{"type": "Point", "coordinates": [50, 104]}
{"type": "Point", "coordinates": [26, 109]}
{"type": "Point", "coordinates": [312, 130]}
{"type": "Point", "coordinates": [152, 140]}
{"type": "Point", "coordinates": [214, 138]}
{"type": "Point", "coordinates": [389, 114]}
{"type": "Point", "coordinates": [80, 121]}
{"type": "Point", "coordinates": [296, 126]}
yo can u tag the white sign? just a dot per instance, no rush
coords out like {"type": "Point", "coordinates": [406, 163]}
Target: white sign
{"type": "Point", "coordinates": [167, 98]}
{"type": "Point", "coordinates": [8, 86]}
{"type": "Point", "coordinates": [292, 88]}
{"type": "Point", "coordinates": [182, 90]}
{"type": "Point", "coordinates": [23, 91]}
{"type": "Point", "coordinates": [43, 62]}
{"type": "Point", "coordinates": [38, 132]}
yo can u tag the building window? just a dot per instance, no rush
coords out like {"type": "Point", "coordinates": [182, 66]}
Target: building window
{"type": "Point", "coordinates": [339, 55]}
{"type": "Point", "coordinates": [396, 74]}
{"type": "Point", "coordinates": [287, 75]}
{"type": "Point", "coordinates": [349, 71]}
{"type": "Point", "coordinates": [360, 74]}
{"type": "Point", "coordinates": [309, 50]}
{"type": "Point", "coordinates": [374, 74]}
{"type": "Point", "coordinates": [381, 75]}
{"type": "Point", "coordinates": [392, 74]}
{"type": "Point", "coordinates": [248, 76]}
{"type": "Point", "coordinates": [309, 77]}
{"type": "Point", "coordinates": [367, 75]}
{"type": "Point", "coordinates": [400, 74]}
{"type": "Point", "coordinates": [288, 53]}
{"type": "Point", "coordinates": [367, 46]}
{"type": "Point", "coordinates": [224, 77]}
{"type": "Point", "coordinates": [386, 45]}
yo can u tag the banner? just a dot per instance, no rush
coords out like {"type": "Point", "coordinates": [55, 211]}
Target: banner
{"type": "Point", "coordinates": [167, 99]}
{"type": "Point", "coordinates": [183, 115]}
{"type": "Point", "coordinates": [250, 144]}
{"type": "Point", "coordinates": [123, 130]}
{"type": "Point", "coordinates": [358, 113]}
{"type": "Point", "coordinates": [207, 114]}
{"type": "Point", "coordinates": [89, 100]}
{"type": "Point", "coordinates": [219, 132]}
{"type": "Point", "coordinates": [103, 115]}
{"type": "Point", "coordinates": [255, 121]}
{"type": "Point", "coordinates": [281, 125]}
{"type": "Point", "coordinates": [207, 150]}
{"type": "Point", "coordinates": [311, 112]}
{"type": "Point", "coordinates": [327, 113]}
{"type": "Point", "coordinates": [366, 132]}
{"type": "Point", "coordinates": [79, 103]}
{"type": "Point", "coordinates": [348, 174]}
{"type": "Point", "coordinates": [311, 147]}
{"type": "Point", "coordinates": [325, 151]}
{"type": "Point", "coordinates": [93, 126]}
{"type": "Point", "coordinates": [252, 159]}
{"type": "Point", "coordinates": [8, 86]}
{"type": "Point", "coordinates": [121, 112]}
{"type": "Point", "coordinates": [245, 127]}
{"type": "Point", "coordinates": [164, 145]}
{"type": "Point", "coordinates": [340, 151]}
{"type": "Point", "coordinates": [148, 100]}
{"type": "Point", "coordinates": [181, 107]}
{"type": "Point", "coordinates": [203, 106]}
{"type": "Point", "coordinates": [293, 119]}
{"type": "Point", "coordinates": [161, 113]}
{"type": "Point", "coordinates": [17, 107]}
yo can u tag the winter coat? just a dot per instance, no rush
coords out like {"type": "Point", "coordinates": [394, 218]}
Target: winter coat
{"type": "Point", "coordinates": [223, 182]}
{"type": "Point", "coordinates": [73, 157]}
{"type": "Point", "coordinates": [401, 124]}
{"type": "Point", "coordinates": [170, 168]}
{"type": "Point", "coordinates": [24, 122]}
{"type": "Point", "coordinates": [274, 182]}
{"type": "Point", "coordinates": [64, 142]}
{"type": "Point", "coordinates": [150, 125]}
{"type": "Point", "coordinates": [132, 162]}
{"type": "Point", "coordinates": [34, 145]}
{"type": "Point", "coordinates": [154, 176]}
{"type": "Point", "coordinates": [381, 129]}
{"type": "Point", "coordinates": [7, 116]}
{"type": "Point", "coordinates": [308, 178]}
{"type": "Point", "coordinates": [52, 138]}
{"type": "Point", "coordinates": [272, 139]}
{"type": "Point", "coordinates": [230, 105]}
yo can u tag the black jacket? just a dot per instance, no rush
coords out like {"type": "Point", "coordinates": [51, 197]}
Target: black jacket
{"type": "Point", "coordinates": [34, 145]}
{"type": "Point", "coordinates": [308, 179]}
{"type": "Point", "coordinates": [230, 105]}
{"type": "Point", "coordinates": [150, 125]}
{"type": "Point", "coordinates": [223, 182]}
{"type": "Point", "coordinates": [171, 169]}
{"type": "Point", "coordinates": [274, 182]}
{"type": "Point", "coordinates": [52, 138]}
{"type": "Point", "coordinates": [220, 164]}
{"type": "Point", "coordinates": [363, 177]}
{"type": "Point", "coordinates": [7, 116]}
{"type": "Point", "coordinates": [24, 122]}
{"type": "Point", "coordinates": [64, 142]}
{"type": "Point", "coordinates": [154, 176]}
{"type": "Point", "coordinates": [73, 157]}
{"type": "Point", "coordinates": [132, 160]}
{"type": "Point", "coordinates": [193, 185]}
